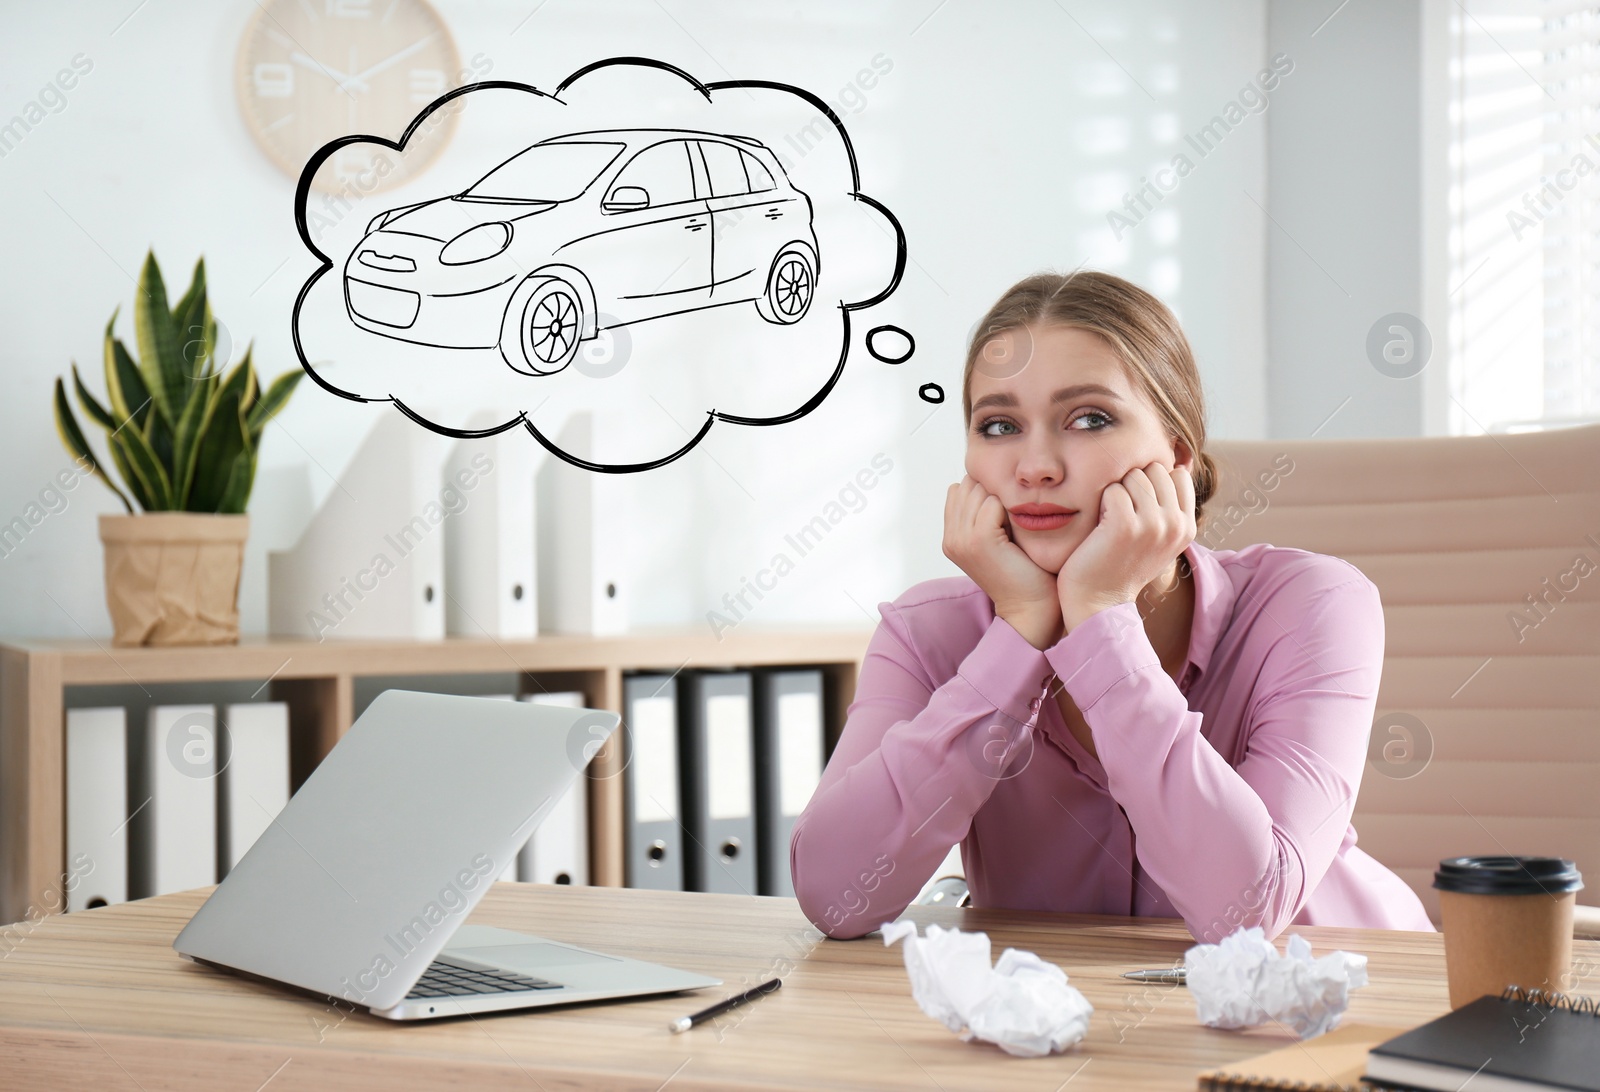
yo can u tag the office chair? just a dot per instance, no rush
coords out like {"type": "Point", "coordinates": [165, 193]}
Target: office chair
{"type": "Point", "coordinates": [1486, 552]}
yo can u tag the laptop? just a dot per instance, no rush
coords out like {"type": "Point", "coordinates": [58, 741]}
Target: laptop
{"type": "Point", "coordinates": [359, 888]}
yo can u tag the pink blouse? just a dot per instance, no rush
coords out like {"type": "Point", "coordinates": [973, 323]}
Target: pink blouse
{"type": "Point", "coordinates": [1223, 798]}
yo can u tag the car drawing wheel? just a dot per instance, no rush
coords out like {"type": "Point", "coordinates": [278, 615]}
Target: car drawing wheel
{"type": "Point", "coordinates": [790, 286]}
{"type": "Point", "coordinates": [542, 326]}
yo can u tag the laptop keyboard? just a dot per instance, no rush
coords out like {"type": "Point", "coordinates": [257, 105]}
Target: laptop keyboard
{"type": "Point", "coordinates": [446, 979]}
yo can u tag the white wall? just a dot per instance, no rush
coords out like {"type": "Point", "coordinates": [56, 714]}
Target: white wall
{"type": "Point", "coordinates": [1001, 138]}
{"type": "Point", "coordinates": [1356, 160]}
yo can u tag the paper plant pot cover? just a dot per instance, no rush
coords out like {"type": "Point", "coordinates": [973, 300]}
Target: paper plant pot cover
{"type": "Point", "coordinates": [172, 578]}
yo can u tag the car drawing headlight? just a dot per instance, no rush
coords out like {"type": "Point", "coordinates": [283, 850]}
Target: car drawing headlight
{"type": "Point", "coordinates": [476, 244]}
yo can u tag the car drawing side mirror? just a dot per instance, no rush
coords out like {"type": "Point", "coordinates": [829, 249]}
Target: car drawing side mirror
{"type": "Point", "coordinates": [624, 198]}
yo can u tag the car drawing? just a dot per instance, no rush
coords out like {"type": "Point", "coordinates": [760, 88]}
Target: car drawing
{"type": "Point", "coordinates": [584, 232]}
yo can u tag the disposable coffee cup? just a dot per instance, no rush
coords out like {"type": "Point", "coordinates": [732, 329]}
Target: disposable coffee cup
{"type": "Point", "coordinates": [1507, 922]}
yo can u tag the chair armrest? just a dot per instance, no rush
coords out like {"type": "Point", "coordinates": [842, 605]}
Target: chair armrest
{"type": "Point", "coordinates": [1586, 922]}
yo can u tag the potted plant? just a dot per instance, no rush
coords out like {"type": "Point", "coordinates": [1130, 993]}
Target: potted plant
{"type": "Point", "coordinates": [183, 438]}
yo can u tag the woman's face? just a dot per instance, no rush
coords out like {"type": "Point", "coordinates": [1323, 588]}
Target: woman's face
{"type": "Point", "coordinates": [1054, 421]}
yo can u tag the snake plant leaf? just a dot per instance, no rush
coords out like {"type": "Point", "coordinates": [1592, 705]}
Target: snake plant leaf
{"type": "Point", "coordinates": [125, 388]}
{"type": "Point", "coordinates": [147, 469]}
{"type": "Point", "coordinates": [72, 436]}
{"type": "Point", "coordinates": [186, 439]}
{"type": "Point", "coordinates": [240, 380]}
{"type": "Point", "coordinates": [224, 397]}
{"type": "Point", "coordinates": [125, 469]}
{"type": "Point", "coordinates": [222, 441]}
{"type": "Point", "coordinates": [197, 339]}
{"type": "Point", "coordinates": [157, 336]}
{"type": "Point", "coordinates": [196, 292]}
{"type": "Point", "coordinates": [129, 478]}
{"type": "Point", "coordinates": [128, 401]}
{"type": "Point", "coordinates": [159, 432]}
{"type": "Point", "coordinates": [267, 407]}
{"type": "Point", "coordinates": [210, 335]}
{"type": "Point", "coordinates": [253, 387]}
{"type": "Point", "coordinates": [236, 493]}
{"type": "Point", "coordinates": [245, 372]}
{"type": "Point", "coordinates": [196, 327]}
{"type": "Point", "coordinates": [90, 404]}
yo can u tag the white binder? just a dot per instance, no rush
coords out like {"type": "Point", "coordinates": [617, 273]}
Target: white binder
{"type": "Point", "coordinates": [253, 784]}
{"type": "Point", "coordinates": [178, 779]}
{"type": "Point", "coordinates": [97, 808]}
{"type": "Point", "coordinates": [371, 562]}
{"type": "Point", "coordinates": [653, 844]}
{"type": "Point", "coordinates": [490, 571]}
{"type": "Point", "coordinates": [581, 540]}
{"type": "Point", "coordinates": [717, 763]}
{"type": "Point", "coordinates": [558, 852]}
{"type": "Point", "coordinates": [789, 748]}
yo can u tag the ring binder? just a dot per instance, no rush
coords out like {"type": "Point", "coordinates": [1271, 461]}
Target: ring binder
{"type": "Point", "coordinates": [1550, 999]}
{"type": "Point", "coordinates": [1519, 1038]}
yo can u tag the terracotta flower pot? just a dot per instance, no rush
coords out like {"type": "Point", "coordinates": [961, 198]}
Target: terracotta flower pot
{"type": "Point", "coordinates": [172, 578]}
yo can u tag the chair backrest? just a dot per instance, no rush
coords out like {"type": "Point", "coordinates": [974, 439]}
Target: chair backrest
{"type": "Point", "coordinates": [1486, 550]}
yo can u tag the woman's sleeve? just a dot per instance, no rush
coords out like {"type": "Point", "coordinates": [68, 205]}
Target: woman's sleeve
{"type": "Point", "coordinates": [909, 772]}
{"type": "Point", "coordinates": [1248, 845]}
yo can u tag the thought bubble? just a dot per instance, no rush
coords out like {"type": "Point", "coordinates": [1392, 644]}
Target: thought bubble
{"type": "Point", "coordinates": [890, 344]}
{"type": "Point", "coordinates": [661, 253]}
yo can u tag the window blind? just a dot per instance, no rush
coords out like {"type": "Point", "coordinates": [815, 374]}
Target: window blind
{"type": "Point", "coordinates": [1524, 211]}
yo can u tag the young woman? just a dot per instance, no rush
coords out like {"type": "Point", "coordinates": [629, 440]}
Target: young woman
{"type": "Point", "coordinates": [1108, 716]}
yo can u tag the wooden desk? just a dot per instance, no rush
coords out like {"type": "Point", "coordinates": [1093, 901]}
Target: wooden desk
{"type": "Point", "coordinates": [100, 1000]}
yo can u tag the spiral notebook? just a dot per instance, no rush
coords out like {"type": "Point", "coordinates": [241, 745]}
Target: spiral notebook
{"type": "Point", "coordinates": [1332, 1062]}
{"type": "Point", "coordinates": [1521, 1039]}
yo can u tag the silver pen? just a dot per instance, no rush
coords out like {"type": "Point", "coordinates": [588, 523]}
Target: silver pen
{"type": "Point", "coordinates": [1175, 975]}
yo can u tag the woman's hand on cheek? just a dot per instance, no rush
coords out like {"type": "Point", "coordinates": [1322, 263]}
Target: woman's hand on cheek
{"type": "Point", "coordinates": [975, 538]}
{"type": "Point", "coordinates": [1146, 520]}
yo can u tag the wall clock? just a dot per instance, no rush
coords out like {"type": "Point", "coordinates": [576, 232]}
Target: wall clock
{"type": "Point", "coordinates": [309, 71]}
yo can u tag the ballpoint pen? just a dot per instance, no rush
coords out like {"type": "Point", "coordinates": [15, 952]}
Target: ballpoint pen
{"type": "Point", "coordinates": [684, 1023]}
{"type": "Point", "coordinates": [1176, 975]}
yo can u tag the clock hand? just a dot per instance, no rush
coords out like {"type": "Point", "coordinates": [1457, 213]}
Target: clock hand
{"type": "Point", "coordinates": [332, 73]}
{"type": "Point", "coordinates": [361, 77]}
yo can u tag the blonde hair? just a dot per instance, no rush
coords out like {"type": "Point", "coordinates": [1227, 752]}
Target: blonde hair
{"type": "Point", "coordinates": [1142, 331]}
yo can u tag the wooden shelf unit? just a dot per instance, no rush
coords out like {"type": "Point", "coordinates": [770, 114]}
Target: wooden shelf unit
{"type": "Point", "coordinates": [316, 680]}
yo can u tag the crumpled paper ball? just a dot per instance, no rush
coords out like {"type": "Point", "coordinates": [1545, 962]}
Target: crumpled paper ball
{"type": "Point", "coordinates": [1022, 1004]}
{"type": "Point", "coordinates": [1243, 981]}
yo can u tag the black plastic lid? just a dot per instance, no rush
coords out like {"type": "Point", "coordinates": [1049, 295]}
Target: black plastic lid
{"type": "Point", "coordinates": [1508, 876]}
